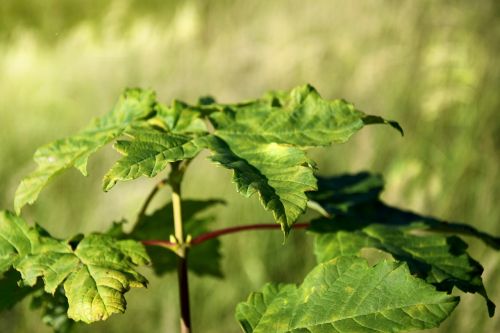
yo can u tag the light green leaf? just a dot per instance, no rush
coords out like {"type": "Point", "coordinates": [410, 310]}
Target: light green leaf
{"type": "Point", "coordinates": [95, 270]}
{"type": "Point", "coordinates": [263, 142]}
{"type": "Point", "coordinates": [134, 104]}
{"type": "Point", "coordinates": [279, 173]}
{"type": "Point", "coordinates": [168, 137]}
{"type": "Point", "coordinates": [16, 240]}
{"type": "Point", "coordinates": [300, 118]}
{"type": "Point", "coordinates": [181, 118]}
{"type": "Point", "coordinates": [341, 243]}
{"type": "Point", "coordinates": [95, 275]}
{"type": "Point", "coordinates": [149, 153]}
{"type": "Point", "coordinates": [347, 295]}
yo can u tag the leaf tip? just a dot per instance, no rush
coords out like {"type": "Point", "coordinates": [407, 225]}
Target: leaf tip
{"type": "Point", "coordinates": [371, 120]}
{"type": "Point", "coordinates": [491, 308]}
{"type": "Point", "coordinates": [19, 203]}
{"type": "Point", "coordinates": [396, 126]}
{"type": "Point", "coordinates": [17, 209]}
{"type": "Point", "coordinates": [108, 183]}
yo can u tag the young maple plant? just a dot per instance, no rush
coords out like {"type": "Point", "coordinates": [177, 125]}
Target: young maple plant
{"type": "Point", "coordinates": [264, 143]}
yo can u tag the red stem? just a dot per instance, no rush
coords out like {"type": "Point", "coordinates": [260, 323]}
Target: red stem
{"type": "Point", "coordinates": [161, 243]}
{"type": "Point", "coordinates": [216, 233]}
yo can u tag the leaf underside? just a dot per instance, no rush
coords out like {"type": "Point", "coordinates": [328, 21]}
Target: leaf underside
{"type": "Point", "coordinates": [95, 274]}
{"type": "Point", "coordinates": [11, 293]}
{"type": "Point", "coordinates": [54, 310]}
{"type": "Point", "coordinates": [360, 220]}
{"type": "Point", "coordinates": [346, 295]}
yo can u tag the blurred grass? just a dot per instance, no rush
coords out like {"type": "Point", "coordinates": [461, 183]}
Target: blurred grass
{"type": "Point", "coordinates": [431, 65]}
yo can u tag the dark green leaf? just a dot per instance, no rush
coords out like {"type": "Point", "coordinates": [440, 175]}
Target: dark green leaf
{"type": "Point", "coordinates": [346, 295]}
{"type": "Point", "coordinates": [54, 310]}
{"type": "Point", "coordinates": [337, 194]}
{"type": "Point", "coordinates": [442, 261]}
{"type": "Point", "coordinates": [355, 200]}
{"type": "Point", "coordinates": [10, 291]}
{"type": "Point", "coordinates": [360, 220]}
{"type": "Point", "coordinates": [371, 120]}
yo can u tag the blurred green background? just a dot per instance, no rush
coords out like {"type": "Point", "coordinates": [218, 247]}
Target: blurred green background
{"type": "Point", "coordinates": [432, 65]}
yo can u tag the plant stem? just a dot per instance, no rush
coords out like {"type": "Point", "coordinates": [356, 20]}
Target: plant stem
{"type": "Point", "coordinates": [161, 243]}
{"type": "Point", "coordinates": [216, 233]}
{"type": "Point", "coordinates": [150, 197]}
{"type": "Point", "coordinates": [175, 180]}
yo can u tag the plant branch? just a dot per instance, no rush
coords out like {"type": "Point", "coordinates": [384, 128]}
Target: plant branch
{"type": "Point", "coordinates": [150, 197]}
{"type": "Point", "coordinates": [216, 233]}
{"type": "Point", "coordinates": [162, 243]}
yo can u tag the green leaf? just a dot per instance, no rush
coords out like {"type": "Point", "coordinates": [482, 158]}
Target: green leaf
{"type": "Point", "coordinates": [280, 174]}
{"type": "Point", "coordinates": [54, 310]}
{"type": "Point", "coordinates": [181, 118]}
{"type": "Point", "coordinates": [134, 105]}
{"type": "Point", "coordinates": [95, 275]}
{"type": "Point", "coordinates": [360, 220]}
{"type": "Point", "coordinates": [10, 291]}
{"type": "Point", "coordinates": [263, 142]}
{"type": "Point", "coordinates": [204, 259]}
{"type": "Point", "coordinates": [149, 153]}
{"type": "Point", "coordinates": [337, 194]}
{"type": "Point", "coordinates": [440, 260]}
{"type": "Point", "coordinates": [347, 295]}
{"type": "Point", "coordinates": [355, 200]}
{"type": "Point", "coordinates": [95, 270]}
{"type": "Point", "coordinates": [16, 240]}
{"type": "Point", "coordinates": [300, 118]}
{"type": "Point", "coordinates": [168, 137]}
{"type": "Point", "coordinates": [271, 309]}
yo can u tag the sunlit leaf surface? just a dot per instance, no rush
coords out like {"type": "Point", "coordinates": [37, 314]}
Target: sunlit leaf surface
{"type": "Point", "coordinates": [133, 105]}
{"type": "Point", "coordinates": [95, 272]}
{"type": "Point", "coordinates": [360, 220]}
{"type": "Point", "coordinates": [346, 295]}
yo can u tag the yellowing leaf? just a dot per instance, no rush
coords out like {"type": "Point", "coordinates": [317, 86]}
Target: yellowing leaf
{"type": "Point", "coordinates": [95, 275]}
